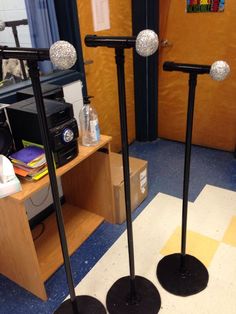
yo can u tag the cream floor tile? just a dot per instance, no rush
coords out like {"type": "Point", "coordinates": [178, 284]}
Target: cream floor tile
{"type": "Point", "coordinates": [217, 298]}
{"type": "Point", "coordinates": [230, 233]}
{"type": "Point", "coordinates": [218, 196]}
{"type": "Point", "coordinates": [152, 228]}
{"type": "Point", "coordinates": [223, 266]}
{"type": "Point", "coordinates": [212, 212]}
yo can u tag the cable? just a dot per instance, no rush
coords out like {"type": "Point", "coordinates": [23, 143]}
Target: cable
{"type": "Point", "coordinates": [44, 199]}
{"type": "Point", "coordinates": [41, 231]}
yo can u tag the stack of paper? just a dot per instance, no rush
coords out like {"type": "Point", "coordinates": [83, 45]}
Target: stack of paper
{"type": "Point", "coordinates": [29, 162]}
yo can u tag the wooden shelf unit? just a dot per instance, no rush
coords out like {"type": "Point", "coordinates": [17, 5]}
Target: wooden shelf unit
{"type": "Point", "coordinates": [79, 224]}
{"type": "Point", "coordinates": [87, 188]}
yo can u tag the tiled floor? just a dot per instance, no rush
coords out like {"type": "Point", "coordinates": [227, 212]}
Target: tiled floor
{"type": "Point", "coordinates": [166, 160]}
{"type": "Point", "coordinates": [155, 238]}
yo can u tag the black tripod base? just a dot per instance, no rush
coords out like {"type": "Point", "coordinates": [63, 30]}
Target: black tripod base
{"type": "Point", "coordinates": [177, 280]}
{"type": "Point", "coordinates": [85, 305]}
{"type": "Point", "coordinates": [147, 299]}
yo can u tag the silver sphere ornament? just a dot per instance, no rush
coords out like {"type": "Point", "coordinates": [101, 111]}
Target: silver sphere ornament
{"type": "Point", "coordinates": [146, 43]}
{"type": "Point", "coordinates": [219, 70]}
{"type": "Point", "coordinates": [2, 26]}
{"type": "Point", "coordinates": [62, 55]}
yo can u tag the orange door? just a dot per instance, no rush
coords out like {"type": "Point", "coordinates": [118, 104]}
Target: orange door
{"type": "Point", "coordinates": [200, 38]}
{"type": "Point", "coordinates": [100, 70]}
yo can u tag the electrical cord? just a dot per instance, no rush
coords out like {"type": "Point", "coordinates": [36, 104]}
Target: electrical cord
{"type": "Point", "coordinates": [44, 199]}
{"type": "Point", "coordinates": [41, 231]}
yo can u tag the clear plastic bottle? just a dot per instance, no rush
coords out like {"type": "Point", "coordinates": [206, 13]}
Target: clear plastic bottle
{"type": "Point", "coordinates": [89, 127]}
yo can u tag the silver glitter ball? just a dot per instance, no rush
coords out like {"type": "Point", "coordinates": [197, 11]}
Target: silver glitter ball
{"type": "Point", "coordinates": [63, 55]}
{"type": "Point", "coordinates": [2, 26]}
{"type": "Point", "coordinates": [219, 70]}
{"type": "Point", "coordinates": [146, 43]}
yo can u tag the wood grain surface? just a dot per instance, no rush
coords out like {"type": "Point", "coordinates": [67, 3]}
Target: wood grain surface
{"type": "Point", "coordinates": [200, 38]}
{"type": "Point", "coordinates": [101, 74]}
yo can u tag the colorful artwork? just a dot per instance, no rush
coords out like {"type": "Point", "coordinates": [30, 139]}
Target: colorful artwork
{"type": "Point", "coordinates": [196, 6]}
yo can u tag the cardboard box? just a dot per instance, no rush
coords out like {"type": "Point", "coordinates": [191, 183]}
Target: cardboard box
{"type": "Point", "coordinates": [138, 184]}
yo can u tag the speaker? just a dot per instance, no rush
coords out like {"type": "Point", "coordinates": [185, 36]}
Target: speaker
{"type": "Point", "coordinates": [6, 140]}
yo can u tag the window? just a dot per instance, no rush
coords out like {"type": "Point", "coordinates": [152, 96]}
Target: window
{"type": "Point", "coordinates": [66, 16]}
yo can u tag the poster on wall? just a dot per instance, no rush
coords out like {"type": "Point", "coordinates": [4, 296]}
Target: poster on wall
{"type": "Point", "coordinates": [196, 6]}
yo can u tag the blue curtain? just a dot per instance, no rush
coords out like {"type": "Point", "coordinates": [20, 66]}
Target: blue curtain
{"type": "Point", "coordinates": [43, 27]}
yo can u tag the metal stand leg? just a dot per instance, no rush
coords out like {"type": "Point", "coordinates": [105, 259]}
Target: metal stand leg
{"type": "Point", "coordinates": [183, 274]}
{"type": "Point", "coordinates": [76, 304]}
{"type": "Point", "coordinates": [15, 34]}
{"type": "Point", "coordinates": [131, 294]}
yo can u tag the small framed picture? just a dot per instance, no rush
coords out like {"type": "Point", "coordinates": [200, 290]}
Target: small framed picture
{"type": "Point", "coordinates": [201, 6]}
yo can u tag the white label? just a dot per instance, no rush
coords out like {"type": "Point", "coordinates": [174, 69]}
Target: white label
{"type": "Point", "coordinates": [94, 129]}
{"type": "Point", "coordinates": [101, 15]}
{"type": "Point", "coordinates": [143, 180]}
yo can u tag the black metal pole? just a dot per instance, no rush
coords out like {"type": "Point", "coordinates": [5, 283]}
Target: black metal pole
{"type": "Point", "coordinates": [119, 56]}
{"type": "Point", "coordinates": [13, 25]}
{"type": "Point", "coordinates": [129, 294]}
{"type": "Point", "coordinates": [188, 146]}
{"type": "Point", "coordinates": [180, 273]}
{"type": "Point", "coordinates": [34, 74]}
{"type": "Point", "coordinates": [15, 34]}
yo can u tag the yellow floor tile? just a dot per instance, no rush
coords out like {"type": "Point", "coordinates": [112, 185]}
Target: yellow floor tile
{"type": "Point", "coordinates": [230, 234]}
{"type": "Point", "coordinates": [153, 229]}
{"type": "Point", "coordinates": [198, 245]}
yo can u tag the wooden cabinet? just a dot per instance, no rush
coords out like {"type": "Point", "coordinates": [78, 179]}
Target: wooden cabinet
{"type": "Point", "coordinates": [87, 188]}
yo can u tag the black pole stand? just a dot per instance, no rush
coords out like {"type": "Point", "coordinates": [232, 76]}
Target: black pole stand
{"type": "Point", "coordinates": [76, 304]}
{"type": "Point", "coordinates": [13, 25]}
{"type": "Point", "coordinates": [15, 34]}
{"type": "Point", "coordinates": [130, 294]}
{"type": "Point", "coordinates": [180, 273]}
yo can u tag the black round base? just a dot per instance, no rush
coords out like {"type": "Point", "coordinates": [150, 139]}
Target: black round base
{"type": "Point", "coordinates": [183, 282]}
{"type": "Point", "coordinates": [148, 300]}
{"type": "Point", "coordinates": [85, 305]}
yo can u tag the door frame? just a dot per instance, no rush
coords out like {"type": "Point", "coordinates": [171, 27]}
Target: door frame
{"type": "Point", "coordinates": [145, 15]}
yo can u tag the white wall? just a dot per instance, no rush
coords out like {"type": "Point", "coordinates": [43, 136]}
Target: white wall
{"type": "Point", "coordinates": [11, 10]}
{"type": "Point", "coordinates": [73, 95]}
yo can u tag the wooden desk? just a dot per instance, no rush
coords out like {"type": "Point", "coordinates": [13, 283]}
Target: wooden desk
{"type": "Point", "coordinates": [87, 188]}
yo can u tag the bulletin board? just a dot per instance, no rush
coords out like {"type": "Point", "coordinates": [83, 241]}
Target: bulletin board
{"type": "Point", "coordinates": [201, 6]}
